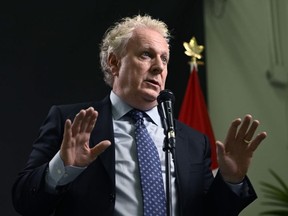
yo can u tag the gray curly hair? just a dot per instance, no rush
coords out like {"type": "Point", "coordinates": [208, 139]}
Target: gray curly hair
{"type": "Point", "coordinates": [116, 38]}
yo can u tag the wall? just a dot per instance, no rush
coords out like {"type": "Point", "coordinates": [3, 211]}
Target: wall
{"type": "Point", "coordinates": [244, 40]}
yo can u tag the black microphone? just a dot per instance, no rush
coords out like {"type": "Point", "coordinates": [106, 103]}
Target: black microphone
{"type": "Point", "coordinates": [165, 108]}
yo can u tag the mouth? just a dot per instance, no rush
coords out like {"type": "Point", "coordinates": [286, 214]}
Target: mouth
{"type": "Point", "coordinates": [153, 82]}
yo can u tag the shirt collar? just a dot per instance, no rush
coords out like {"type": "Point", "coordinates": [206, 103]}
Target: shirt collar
{"type": "Point", "coordinates": [120, 108]}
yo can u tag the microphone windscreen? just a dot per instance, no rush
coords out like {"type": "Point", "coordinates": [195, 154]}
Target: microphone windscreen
{"type": "Point", "coordinates": [165, 95]}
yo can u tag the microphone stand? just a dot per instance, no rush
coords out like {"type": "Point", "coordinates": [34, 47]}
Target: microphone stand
{"type": "Point", "coordinates": [165, 109]}
{"type": "Point", "coordinates": [169, 148]}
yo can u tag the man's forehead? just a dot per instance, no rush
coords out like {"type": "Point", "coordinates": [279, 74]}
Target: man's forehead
{"type": "Point", "coordinates": [149, 38]}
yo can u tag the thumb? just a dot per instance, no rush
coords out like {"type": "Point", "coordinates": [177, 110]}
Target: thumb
{"type": "Point", "coordinates": [99, 148]}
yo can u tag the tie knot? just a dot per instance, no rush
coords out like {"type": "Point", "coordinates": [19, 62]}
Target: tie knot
{"type": "Point", "coordinates": [136, 114]}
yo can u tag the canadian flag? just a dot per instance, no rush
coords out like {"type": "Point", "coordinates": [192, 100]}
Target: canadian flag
{"type": "Point", "coordinates": [193, 112]}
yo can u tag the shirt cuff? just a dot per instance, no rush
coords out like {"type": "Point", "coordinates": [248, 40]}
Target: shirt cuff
{"type": "Point", "coordinates": [59, 175]}
{"type": "Point", "coordinates": [241, 189]}
{"type": "Point", "coordinates": [236, 188]}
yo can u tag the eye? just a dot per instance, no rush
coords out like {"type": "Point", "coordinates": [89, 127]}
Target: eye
{"type": "Point", "coordinates": [145, 54]}
{"type": "Point", "coordinates": [165, 59]}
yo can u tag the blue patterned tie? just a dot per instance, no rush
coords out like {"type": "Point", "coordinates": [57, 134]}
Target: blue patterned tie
{"type": "Point", "coordinates": [154, 200]}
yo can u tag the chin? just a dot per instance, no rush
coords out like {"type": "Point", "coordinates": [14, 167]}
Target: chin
{"type": "Point", "coordinates": [151, 95]}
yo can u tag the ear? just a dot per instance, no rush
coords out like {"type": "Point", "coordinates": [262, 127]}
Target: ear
{"type": "Point", "coordinates": [114, 64]}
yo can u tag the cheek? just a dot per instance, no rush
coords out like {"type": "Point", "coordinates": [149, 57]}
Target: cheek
{"type": "Point", "coordinates": [130, 78]}
{"type": "Point", "coordinates": [164, 76]}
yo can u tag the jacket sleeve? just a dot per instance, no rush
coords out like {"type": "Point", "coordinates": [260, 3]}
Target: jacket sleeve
{"type": "Point", "coordinates": [222, 201]}
{"type": "Point", "coordinates": [28, 193]}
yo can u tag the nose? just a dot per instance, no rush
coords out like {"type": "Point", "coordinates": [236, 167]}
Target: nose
{"type": "Point", "coordinates": [158, 65]}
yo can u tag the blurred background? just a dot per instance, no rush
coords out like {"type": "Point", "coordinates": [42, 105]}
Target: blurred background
{"type": "Point", "coordinates": [49, 55]}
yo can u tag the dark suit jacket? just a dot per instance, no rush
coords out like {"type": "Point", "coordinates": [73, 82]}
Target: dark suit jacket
{"type": "Point", "coordinates": [93, 192]}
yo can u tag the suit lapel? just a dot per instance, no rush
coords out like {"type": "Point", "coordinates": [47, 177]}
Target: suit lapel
{"type": "Point", "coordinates": [104, 131]}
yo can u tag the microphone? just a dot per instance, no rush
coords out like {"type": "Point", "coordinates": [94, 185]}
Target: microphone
{"type": "Point", "coordinates": [165, 108]}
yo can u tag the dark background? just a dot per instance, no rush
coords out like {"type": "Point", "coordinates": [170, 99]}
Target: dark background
{"type": "Point", "coordinates": [49, 55]}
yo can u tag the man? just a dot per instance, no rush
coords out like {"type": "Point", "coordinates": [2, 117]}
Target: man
{"type": "Point", "coordinates": [84, 161]}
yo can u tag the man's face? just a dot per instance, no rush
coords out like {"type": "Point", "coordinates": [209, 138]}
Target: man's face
{"type": "Point", "coordinates": [141, 73]}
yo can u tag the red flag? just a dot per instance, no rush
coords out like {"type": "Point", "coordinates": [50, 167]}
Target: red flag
{"type": "Point", "coordinates": [194, 113]}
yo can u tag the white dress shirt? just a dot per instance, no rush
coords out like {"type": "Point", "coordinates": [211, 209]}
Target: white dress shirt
{"type": "Point", "coordinates": [128, 189]}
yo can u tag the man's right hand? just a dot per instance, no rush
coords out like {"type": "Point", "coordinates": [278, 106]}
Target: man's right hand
{"type": "Point", "coordinates": [75, 150]}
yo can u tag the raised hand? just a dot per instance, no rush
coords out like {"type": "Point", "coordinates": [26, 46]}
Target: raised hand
{"type": "Point", "coordinates": [75, 148]}
{"type": "Point", "coordinates": [235, 154]}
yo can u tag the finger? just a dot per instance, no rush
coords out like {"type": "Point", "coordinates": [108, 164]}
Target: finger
{"type": "Point", "coordinates": [66, 142]}
{"type": "Point", "coordinates": [258, 139]}
{"type": "Point", "coordinates": [232, 131]}
{"type": "Point", "coordinates": [76, 125]}
{"type": "Point", "coordinates": [89, 114]}
{"type": "Point", "coordinates": [99, 148]}
{"type": "Point", "coordinates": [67, 134]}
{"type": "Point", "coordinates": [244, 127]}
{"type": "Point", "coordinates": [92, 122]}
{"type": "Point", "coordinates": [250, 133]}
